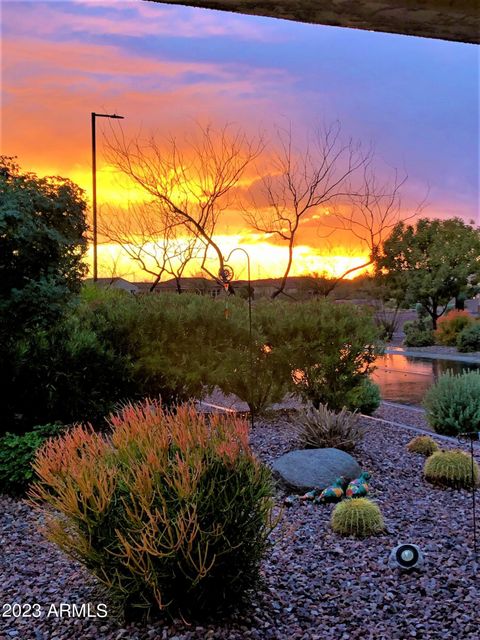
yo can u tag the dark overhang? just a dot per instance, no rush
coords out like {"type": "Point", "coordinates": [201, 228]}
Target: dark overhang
{"type": "Point", "coordinates": [457, 20]}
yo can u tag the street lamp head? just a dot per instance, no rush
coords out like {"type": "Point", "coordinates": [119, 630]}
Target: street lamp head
{"type": "Point", "coordinates": [107, 115]}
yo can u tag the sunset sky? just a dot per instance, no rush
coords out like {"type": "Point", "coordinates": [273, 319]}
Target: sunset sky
{"type": "Point", "coordinates": [415, 100]}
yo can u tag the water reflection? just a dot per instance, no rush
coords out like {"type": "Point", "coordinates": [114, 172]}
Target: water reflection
{"type": "Point", "coordinates": [405, 379]}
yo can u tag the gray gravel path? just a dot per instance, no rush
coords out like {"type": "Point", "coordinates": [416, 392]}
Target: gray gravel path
{"type": "Point", "coordinates": [318, 586]}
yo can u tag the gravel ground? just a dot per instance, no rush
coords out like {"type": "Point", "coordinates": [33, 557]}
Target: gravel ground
{"type": "Point", "coordinates": [318, 586]}
{"type": "Point", "coordinates": [412, 416]}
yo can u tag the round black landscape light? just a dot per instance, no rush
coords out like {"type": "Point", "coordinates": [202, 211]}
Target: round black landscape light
{"type": "Point", "coordinates": [406, 557]}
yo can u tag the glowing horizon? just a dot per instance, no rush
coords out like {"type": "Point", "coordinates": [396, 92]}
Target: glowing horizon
{"type": "Point", "coordinates": [267, 261]}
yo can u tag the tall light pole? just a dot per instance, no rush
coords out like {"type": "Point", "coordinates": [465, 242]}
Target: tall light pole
{"type": "Point", "coordinates": [94, 184]}
{"type": "Point", "coordinates": [226, 274]}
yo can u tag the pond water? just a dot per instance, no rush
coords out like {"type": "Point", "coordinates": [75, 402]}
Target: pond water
{"type": "Point", "coordinates": [405, 379]}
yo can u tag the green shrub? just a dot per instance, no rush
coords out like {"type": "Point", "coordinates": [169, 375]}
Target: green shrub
{"type": "Point", "coordinates": [359, 517]}
{"type": "Point", "coordinates": [113, 347]}
{"type": "Point", "coordinates": [450, 325]}
{"type": "Point", "coordinates": [451, 469]}
{"type": "Point", "coordinates": [422, 313]}
{"type": "Point", "coordinates": [386, 327]}
{"type": "Point", "coordinates": [364, 398]}
{"type": "Point", "coordinates": [424, 445]}
{"type": "Point", "coordinates": [468, 339]}
{"type": "Point", "coordinates": [332, 349]}
{"type": "Point", "coordinates": [418, 333]}
{"type": "Point", "coordinates": [453, 403]}
{"type": "Point", "coordinates": [171, 510]}
{"type": "Point", "coordinates": [318, 428]}
{"type": "Point", "coordinates": [181, 347]}
{"type": "Point", "coordinates": [269, 378]}
{"type": "Point", "coordinates": [259, 387]}
{"type": "Point", "coordinates": [66, 374]}
{"type": "Point", "coordinates": [17, 453]}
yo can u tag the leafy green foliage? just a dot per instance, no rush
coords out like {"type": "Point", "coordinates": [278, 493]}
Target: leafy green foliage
{"type": "Point", "coordinates": [453, 403]}
{"type": "Point", "coordinates": [42, 243]}
{"type": "Point", "coordinates": [450, 325]}
{"type": "Point", "coordinates": [332, 349]}
{"type": "Point", "coordinates": [112, 346]}
{"type": "Point", "coordinates": [431, 263]}
{"type": "Point", "coordinates": [358, 517]}
{"type": "Point", "coordinates": [181, 347]}
{"type": "Point", "coordinates": [68, 374]}
{"type": "Point", "coordinates": [451, 469]}
{"type": "Point", "coordinates": [468, 340]}
{"type": "Point", "coordinates": [365, 397]}
{"type": "Point", "coordinates": [262, 376]}
{"type": "Point", "coordinates": [171, 510]}
{"type": "Point", "coordinates": [418, 333]}
{"type": "Point", "coordinates": [318, 428]}
{"type": "Point", "coordinates": [17, 454]}
{"type": "Point", "coordinates": [424, 445]}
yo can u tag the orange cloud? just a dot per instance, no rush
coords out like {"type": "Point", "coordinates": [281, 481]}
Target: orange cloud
{"type": "Point", "coordinates": [50, 88]}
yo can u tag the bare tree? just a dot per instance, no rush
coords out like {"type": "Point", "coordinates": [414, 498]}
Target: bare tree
{"type": "Point", "coordinates": [302, 180]}
{"type": "Point", "coordinates": [191, 184]}
{"type": "Point", "coordinates": [149, 237]}
{"type": "Point", "coordinates": [371, 210]}
{"type": "Point", "coordinates": [111, 269]}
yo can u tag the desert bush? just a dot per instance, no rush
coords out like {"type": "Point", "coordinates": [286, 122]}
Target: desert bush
{"type": "Point", "coordinates": [421, 311]}
{"type": "Point", "coordinates": [453, 403]}
{"type": "Point", "coordinates": [359, 517]}
{"type": "Point", "coordinates": [451, 469]}
{"type": "Point", "coordinates": [386, 326]}
{"type": "Point", "coordinates": [113, 346]}
{"type": "Point", "coordinates": [171, 510]}
{"type": "Point", "coordinates": [468, 339]}
{"type": "Point", "coordinates": [259, 387]}
{"type": "Point", "coordinates": [17, 453]}
{"type": "Point", "coordinates": [319, 427]}
{"type": "Point", "coordinates": [450, 325]}
{"type": "Point", "coordinates": [268, 379]}
{"type": "Point", "coordinates": [181, 347]}
{"type": "Point", "coordinates": [424, 445]}
{"type": "Point", "coordinates": [332, 349]}
{"type": "Point", "coordinates": [65, 374]}
{"type": "Point", "coordinates": [418, 333]}
{"type": "Point", "coordinates": [364, 398]}
{"type": "Point", "coordinates": [162, 337]}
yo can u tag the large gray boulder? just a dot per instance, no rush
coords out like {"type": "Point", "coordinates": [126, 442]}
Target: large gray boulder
{"type": "Point", "coordinates": [306, 469]}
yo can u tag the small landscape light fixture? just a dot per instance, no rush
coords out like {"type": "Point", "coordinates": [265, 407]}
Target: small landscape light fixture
{"type": "Point", "coordinates": [472, 436]}
{"type": "Point", "coordinates": [406, 557]}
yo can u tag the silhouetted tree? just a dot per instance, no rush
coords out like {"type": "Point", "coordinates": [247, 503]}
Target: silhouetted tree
{"type": "Point", "coordinates": [192, 184]}
{"type": "Point", "coordinates": [157, 243]}
{"type": "Point", "coordinates": [42, 243]}
{"type": "Point", "coordinates": [300, 180]}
